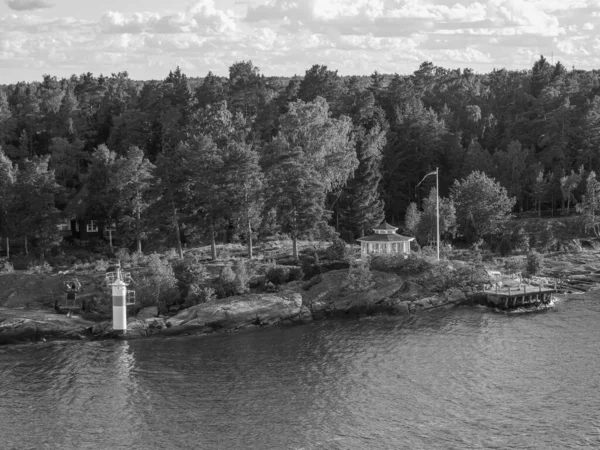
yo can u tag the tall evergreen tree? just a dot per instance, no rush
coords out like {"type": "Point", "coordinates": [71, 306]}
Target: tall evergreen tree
{"type": "Point", "coordinates": [35, 216]}
{"type": "Point", "coordinates": [361, 205]}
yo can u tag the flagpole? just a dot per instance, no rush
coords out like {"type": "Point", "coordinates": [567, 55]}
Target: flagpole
{"type": "Point", "coordinates": [437, 207]}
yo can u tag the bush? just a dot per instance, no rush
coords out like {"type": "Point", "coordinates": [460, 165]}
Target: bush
{"type": "Point", "coordinates": [6, 267]}
{"type": "Point", "coordinates": [225, 283]}
{"type": "Point", "coordinates": [101, 265]}
{"type": "Point", "coordinates": [242, 277]}
{"type": "Point", "coordinates": [277, 275]}
{"type": "Point", "coordinates": [360, 278]}
{"type": "Point", "coordinates": [402, 264]}
{"type": "Point", "coordinates": [505, 246]}
{"type": "Point", "coordinates": [122, 254]}
{"type": "Point", "coordinates": [189, 272]}
{"type": "Point", "coordinates": [157, 287]}
{"type": "Point", "coordinates": [199, 294]}
{"type": "Point", "coordinates": [37, 267]}
{"type": "Point", "coordinates": [295, 274]}
{"type": "Point", "coordinates": [547, 240]}
{"type": "Point", "coordinates": [337, 251]}
{"type": "Point", "coordinates": [533, 263]}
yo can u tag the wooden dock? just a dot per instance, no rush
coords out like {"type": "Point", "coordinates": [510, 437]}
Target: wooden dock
{"type": "Point", "coordinates": [514, 296]}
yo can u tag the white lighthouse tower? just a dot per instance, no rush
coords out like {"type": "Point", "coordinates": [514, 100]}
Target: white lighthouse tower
{"type": "Point", "coordinates": [121, 297]}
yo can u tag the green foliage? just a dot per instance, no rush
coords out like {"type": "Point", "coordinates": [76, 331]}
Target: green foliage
{"type": "Point", "coordinates": [412, 219]}
{"type": "Point", "coordinates": [520, 239]}
{"type": "Point", "coordinates": [191, 276]}
{"type": "Point", "coordinates": [40, 267]}
{"type": "Point", "coordinates": [534, 263]}
{"type": "Point", "coordinates": [401, 264]}
{"type": "Point", "coordinates": [295, 274]}
{"type": "Point", "coordinates": [505, 246]}
{"type": "Point", "coordinates": [6, 267]}
{"type": "Point", "coordinates": [427, 226]}
{"type": "Point", "coordinates": [480, 202]}
{"type": "Point", "coordinates": [157, 286]}
{"type": "Point", "coordinates": [546, 239]}
{"type": "Point", "coordinates": [242, 277]}
{"type": "Point", "coordinates": [338, 250]}
{"type": "Point", "coordinates": [277, 275]}
{"type": "Point", "coordinates": [360, 277]}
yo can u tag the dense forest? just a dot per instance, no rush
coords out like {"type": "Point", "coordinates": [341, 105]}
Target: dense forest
{"type": "Point", "coordinates": [183, 160]}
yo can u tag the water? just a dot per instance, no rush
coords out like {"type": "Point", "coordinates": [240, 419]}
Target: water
{"type": "Point", "coordinates": [464, 379]}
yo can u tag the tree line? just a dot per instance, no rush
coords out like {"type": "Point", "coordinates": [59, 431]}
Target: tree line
{"type": "Point", "coordinates": [182, 159]}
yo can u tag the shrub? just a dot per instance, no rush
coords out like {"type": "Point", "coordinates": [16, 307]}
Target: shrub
{"type": "Point", "coordinates": [505, 246]}
{"type": "Point", "coordinates": [43, 267]}
{"type": "Point", "coordinates": [546, 239]}
{"type": "Point", "coordinates": [101, 265]}
{"type": "Point", "coordinates": [6, 267]}
{"type": "Point", "coordinates": [225, 283]}
{"type": "Point", "coordinates": [199, 294]}
{"type": "Point", "coordinates": [277, 275]}
{"type": "Point", "coordinates": [533, 263]}
{"type": "Point", "coordinates": [157, 287]}
{"type": "Point", "coordinates": [295, 274]}
{"type": "Point", "coordinates": [360, 278]}
{"type": "Point", "coordinates": [399, 263]}
{"type": "Point", "coordinates": [242, 277]}
{"type": "Point", "coordinates": [189, 272]}
{"type": "Point", "coordinates": [337, 251]}
{"type": "Point", "coordinates": [122, 254]}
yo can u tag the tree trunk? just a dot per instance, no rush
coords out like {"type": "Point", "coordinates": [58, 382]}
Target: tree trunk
{"type": "Point", "coordinates": [110, 243]}
{"type": "Point", "coordinates": [7, 247]}
{"type": "Point", "coordinates": [177, 231]}
{"type": "Point", "coordinates": [295, 247]}
{"type": "Point", "coordinates": [249, 240]}
{"type": "Point", "coordinates": [137, 231]}
{"type": "Point", "coordinates": [26, 250]}
{"type": "Point", "coordinates": [213, 245]}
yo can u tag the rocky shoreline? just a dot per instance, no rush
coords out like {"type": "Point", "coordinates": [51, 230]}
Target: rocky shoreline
{"type": "Point", "coordinates": [296, 303]}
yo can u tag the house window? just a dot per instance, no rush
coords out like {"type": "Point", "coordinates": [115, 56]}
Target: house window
{"type": "Point", "coordinates": [65, 225]}
{"type": "Point", "coordinates": [92, 226]}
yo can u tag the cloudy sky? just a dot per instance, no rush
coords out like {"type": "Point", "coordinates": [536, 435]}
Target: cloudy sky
{"type": "Point", "coordinates": [286, 37]}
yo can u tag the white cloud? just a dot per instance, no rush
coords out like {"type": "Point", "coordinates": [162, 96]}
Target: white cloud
{"type": "Point", "coordinates": [289, 36]}
{"type": "Point", "coordinates": [28, 5]}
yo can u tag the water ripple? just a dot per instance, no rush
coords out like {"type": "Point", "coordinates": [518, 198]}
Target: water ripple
{"type": "Point", "coordinates": [467, 378]}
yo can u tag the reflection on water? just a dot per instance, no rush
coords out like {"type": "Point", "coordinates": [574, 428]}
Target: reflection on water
{"type": "Point", "coordinates": [467, 378]}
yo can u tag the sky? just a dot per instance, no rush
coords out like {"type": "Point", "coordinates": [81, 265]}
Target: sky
{"type": "Point", "coordinates": [286, 37]}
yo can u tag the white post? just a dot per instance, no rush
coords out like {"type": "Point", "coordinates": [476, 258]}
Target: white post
{"type": "Point", "coordinates": [437, 206]}
{"type": "Point", "coordinates": [119, 300]}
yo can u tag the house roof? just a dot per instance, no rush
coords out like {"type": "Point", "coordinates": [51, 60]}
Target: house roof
{"type": "Point", "coordinates": [386, 238]}
{"type": "Point", "coordinates": [384, 226]}
{"type": "Point", "coordinates": [77, 206]}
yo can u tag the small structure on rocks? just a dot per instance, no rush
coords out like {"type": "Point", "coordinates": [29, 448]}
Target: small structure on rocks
{"type": "Point", "coordinates": [385, 240]}
{"type": "Point", "coordinates": [523, 295]}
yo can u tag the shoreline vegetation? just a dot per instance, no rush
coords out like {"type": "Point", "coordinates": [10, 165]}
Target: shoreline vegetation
{"type": "Point", "coordinates": [271, 294]}
{"type": "Point", "coordinates": [206, 188]}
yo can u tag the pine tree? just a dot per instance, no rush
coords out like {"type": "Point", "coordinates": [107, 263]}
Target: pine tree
{"type": "Point", "coordinates": [8, 177]}
{"type": "Point", "coordinates": [362, 206]}
{"type": "Point", "coordinates": [299, 205]}
{"type": "Point", "coordinates": [33, 210]}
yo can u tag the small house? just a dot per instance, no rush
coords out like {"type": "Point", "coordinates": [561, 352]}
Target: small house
{"type": "Point", "coordinates": [385, 240]}
{"type": "Point", "coordinates": [79, 225]}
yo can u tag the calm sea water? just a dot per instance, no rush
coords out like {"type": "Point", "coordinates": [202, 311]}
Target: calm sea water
{"type": "Point", "coordinates": [464, 379]}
